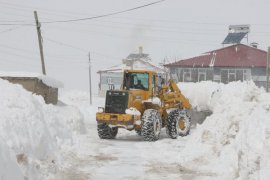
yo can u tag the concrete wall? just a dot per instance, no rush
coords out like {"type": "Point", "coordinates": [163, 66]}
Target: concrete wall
{"type": "Point", "coordinates": [36, 86]}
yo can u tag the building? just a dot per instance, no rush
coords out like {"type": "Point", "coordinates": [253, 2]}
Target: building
{"type": "Point", "coordinates": [236, 62]}
{"type": "Point", "coordinates": [112, 78]}
{"type": "Point", "coordinates": [35, 83]}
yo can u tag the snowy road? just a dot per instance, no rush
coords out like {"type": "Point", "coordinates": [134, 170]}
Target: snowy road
{"type": "Point", "coordinates": [61, 142]}
{"type": "Point", "coordinates": [126, 157]}
{"type": "Point", "coordinates": [232, 143]}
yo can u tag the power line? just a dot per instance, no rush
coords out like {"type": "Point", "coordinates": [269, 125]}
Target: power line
{"type": "Point", "coordinates": [34, 55]}
{"type": "Point", "coordinates": [55, 12]}
{"type": "Point", "coordinates": [89, 18]}
{"type": "Point", "coordinates": [146, 38]}
{"type": "Point", "coordinates": [77, 48]}
{"type": "Point", "coordinates": [64, 44]}
{"type": "Point", "coordinates": [15, 24]}
{"type": "Point", "coordinates": [106, 15]}
{"type": "Point", "coordinates": [11, 29]}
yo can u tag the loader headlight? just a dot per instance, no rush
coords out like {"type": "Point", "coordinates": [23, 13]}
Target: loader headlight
{"type": "Point", "coordinates": [100, 109]}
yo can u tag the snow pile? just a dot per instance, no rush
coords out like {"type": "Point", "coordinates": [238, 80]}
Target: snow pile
{"type": "Point", "coordinates": [133, 111]}
{"type": "Point", "coordinates": [234, 141]}
{"type": "Point", "coordinates": [200, 94]}
{"type": "Point", "coordinates": [154, 100]}
{"type": "Point", "coordinates": [45, 79]}
{"type": "Point", "coordinates": [33, 130]}
{"type": "Point", "coordinates": [9, 168]}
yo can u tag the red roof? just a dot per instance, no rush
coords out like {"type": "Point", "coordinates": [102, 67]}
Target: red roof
{"type": "Point", "coordinates": [239, 55]}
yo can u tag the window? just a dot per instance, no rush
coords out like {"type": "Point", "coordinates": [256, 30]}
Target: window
{"type": "Point", "coordinates": [154, 88]}
{"type": "Point", "coordinates": [232, 75]}
{"type": "Point", "coordinates": [224, 75]}
{"type": "Point", "coordinates": [201, 74]}
{"type": "Point", "coordinates": [229, 75]}
{"type": "Point", "coordinates": [136, 80]}
{"type": "Point", "coordinates": [187, 75]}
{"type": "Point", "coordinates": [109, 80]}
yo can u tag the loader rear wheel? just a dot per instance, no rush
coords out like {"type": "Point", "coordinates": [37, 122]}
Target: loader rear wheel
{"type": "Point", "coordinates": [151, 125]}
{"type": "Point", "coordinates": [106, 132]}
{"type": "Point", "coordinates": [178, 124]}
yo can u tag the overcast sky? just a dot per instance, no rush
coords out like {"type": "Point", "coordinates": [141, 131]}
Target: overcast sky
{"type": "Point", "coordinates": [173, 29]}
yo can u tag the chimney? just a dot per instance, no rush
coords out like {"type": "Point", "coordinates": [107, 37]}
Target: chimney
{"type": "Point", "coordinates": [140, 49]}
{"type": "Point", "coordinates": [254, 44]}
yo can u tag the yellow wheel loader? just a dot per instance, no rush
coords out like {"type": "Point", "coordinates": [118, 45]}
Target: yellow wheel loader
{"type": "Point", "coordinates": [145, 105]}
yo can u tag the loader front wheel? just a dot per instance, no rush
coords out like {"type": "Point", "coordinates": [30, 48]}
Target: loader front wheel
{"type": "Point", "coordinates": [138, 131]}
{"type": "Point", "coordinates": [151, 125]}
{"type": "Point", "coordinates": [106, 132]}
{"type": "Point", "coordinates": [178, 124]}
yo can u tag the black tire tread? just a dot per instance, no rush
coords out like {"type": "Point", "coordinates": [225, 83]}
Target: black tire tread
{"type": "Point", "coordinates": [106, 132]}
{"type": "Point", "coordinates": [147, 130]}
{"type": "Point", "coordinates": [172, 123]}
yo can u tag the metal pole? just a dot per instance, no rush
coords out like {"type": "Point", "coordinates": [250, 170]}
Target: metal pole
{"type": "Point", "coordinates": [40, 43]}
{"type": "Point", "coordinates": [90, 83]}
{"type": "Point", "coordinates": [268, 70]}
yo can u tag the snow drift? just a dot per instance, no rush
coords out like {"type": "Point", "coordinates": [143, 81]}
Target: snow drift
{"type": "Point", "coordinates": [45, 79]}
{"type": "Point", "coordinates": [32, 130]}
{"type": "Point", "coordinates": [234, 141]}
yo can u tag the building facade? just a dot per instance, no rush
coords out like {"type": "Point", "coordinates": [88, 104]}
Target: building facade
{"type": "Point", "coordinates": [237, 62]}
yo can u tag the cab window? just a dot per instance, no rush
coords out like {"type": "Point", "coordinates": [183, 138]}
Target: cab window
{"type": "Point", "coordinates": [136, 80]}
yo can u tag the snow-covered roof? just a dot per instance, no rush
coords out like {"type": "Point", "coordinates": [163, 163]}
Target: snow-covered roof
{"type": "Point", "coordinates": [45, 79]}
{"type": "Point", "coordinates": [238, 55]}
{"type": "Point", "coordinates": [137, 65]}
{"type": "Point", "coordinates": [138, 56]}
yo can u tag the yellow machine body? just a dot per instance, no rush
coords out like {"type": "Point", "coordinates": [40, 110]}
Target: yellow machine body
{"type": "Point", "coordinates": [141, 99]}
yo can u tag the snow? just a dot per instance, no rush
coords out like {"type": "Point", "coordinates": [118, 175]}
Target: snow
{"type": "Point", "coordinates": [133, 111]}
{"type": "Point", "coordinates": [45, 79]}
{"type": "Point", "coordinates": [61, 142]}
{"type": "Point", "coordinates": [234, 141]}
{"type": "Point", "coordinates": [9, 168]}
{"type": "Point", "coordinates": [137, 65]}
{"type": "Point", "coordinates": [154, 100]}
{"type": "Point", "coordinates": [34, 130]}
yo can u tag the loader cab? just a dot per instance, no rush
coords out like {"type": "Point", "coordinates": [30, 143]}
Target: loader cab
{"type": "Point", "coordinates": [140, 80]}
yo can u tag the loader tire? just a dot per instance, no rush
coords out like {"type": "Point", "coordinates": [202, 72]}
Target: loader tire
{"type": "Point", "coordinates": [151, 125]}
{"type": "Point", "coordinates": [138, 131]}
{"type": "Point", "coordinates": [106, 132]}
{"type": "Point", "coordinates": [178, 124]}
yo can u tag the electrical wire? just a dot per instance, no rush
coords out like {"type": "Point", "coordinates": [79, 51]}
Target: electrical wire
{"type": "Point", "coordinates": [11, 29]}
{"type": "Point", "coordinates": [89, 18]}
{"type": "Point", "coordinates": [78, 48]}
{"type": "Point", "coordinates": [64, 44]}
{"type": "Point", "coordinates": [106, 15]}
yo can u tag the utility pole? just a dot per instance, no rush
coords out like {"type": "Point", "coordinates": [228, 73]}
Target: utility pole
{"type": "Point", "coordinates": [40, 43]}
{"type": "Point", "coordinates": [90, 83]}
{"type": "Point", "coordinates": [268, 70]}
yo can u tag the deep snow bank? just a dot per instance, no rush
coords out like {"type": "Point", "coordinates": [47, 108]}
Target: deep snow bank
{"type": "Point", "coordinates": [34, 130]}
{"type": "Point", "coordinates": [81, 100]}
{"type": "Point", "coordinates": [9, 168]}
{"type": "Point", "coordinates": [45, 79]}
{"type": "Point", "coordinates": [234, 142]}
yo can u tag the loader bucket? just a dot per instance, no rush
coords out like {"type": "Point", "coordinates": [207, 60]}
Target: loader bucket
{"type": "Point", "coordinates": [198, 117]}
